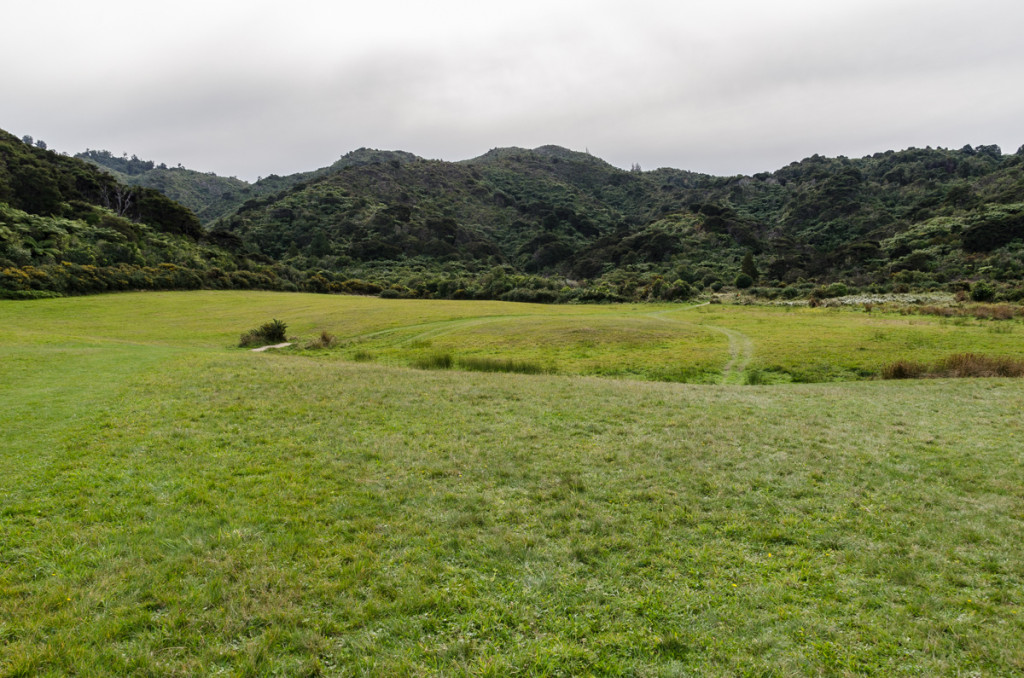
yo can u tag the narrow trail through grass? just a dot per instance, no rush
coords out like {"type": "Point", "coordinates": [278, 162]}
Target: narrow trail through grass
{"type": "Point", "coordinates": [430, 329]}
{"type": "Point", "coordinates": [741, 351]}
{"type": "Point", "coordinates": [454, 325]}
{"type": "Point", "coordinates": [741, 347]}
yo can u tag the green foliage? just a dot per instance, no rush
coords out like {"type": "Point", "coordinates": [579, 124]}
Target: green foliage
{"type": "Point", "coordinates": [982, 291]}
{"type": "Point", "coordinates": [748, 267]}
{"type": "Point", "coordinates": [743, 281]}
{"type": "Point", "coordinates": [434, 361]}
{"type": "Point", "coordinates": [272, 332]}
{"type": "Point", "coordinates": [481, 364]}
{"type": "Point", "coordinates": [563, 226]}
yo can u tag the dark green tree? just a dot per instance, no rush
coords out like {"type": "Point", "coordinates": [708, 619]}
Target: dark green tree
{"type": "Point", "coordinates": [748, 266]}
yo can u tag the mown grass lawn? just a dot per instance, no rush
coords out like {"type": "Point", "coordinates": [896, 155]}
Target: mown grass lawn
{"type": "Point", "coordinates": [172, 505]}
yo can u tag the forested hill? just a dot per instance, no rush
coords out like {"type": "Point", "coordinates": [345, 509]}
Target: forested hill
{"type": "Point", "coordinates": [66, 227]}
{"type": "Point", "coordinates": [551, 224]}
{"type": "Point", "coordinates": [915, 219]}
{"type": "Point", "coordinates": [210, 196]}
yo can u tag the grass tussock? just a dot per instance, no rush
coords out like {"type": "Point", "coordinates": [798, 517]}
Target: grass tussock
{"type": "Point", "coordinates": [362, 356]}
{"type": "Point", "coordinates": [903, 369]}
{"type": "Point", "coordinates": [434, 361]}
{"type": "Point", "coordinates": [325, 340]}
{"type": "Point", "coordinates": [756, 378]}
{"type": "Point", "coordinates": [479, 364]}
{"type": "Point", "coordinates": [974, 365]}
{"type": "Point", "coordinates": [960, 365]}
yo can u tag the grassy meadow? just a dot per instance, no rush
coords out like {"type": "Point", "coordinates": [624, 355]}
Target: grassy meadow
{"type": "Point", "coordinates": [173, 505]}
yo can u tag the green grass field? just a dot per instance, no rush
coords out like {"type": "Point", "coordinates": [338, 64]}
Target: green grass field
{"type": "Point", "coordinates": [172, 505]}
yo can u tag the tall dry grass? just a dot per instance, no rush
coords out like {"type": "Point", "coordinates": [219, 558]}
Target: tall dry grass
{"type": "Point", "coordinates": [959, 365]}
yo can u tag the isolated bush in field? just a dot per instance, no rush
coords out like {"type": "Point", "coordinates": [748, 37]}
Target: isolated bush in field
{"type": "Point", "coordinates": [435, 361]}
{"type": "Point", "coordinates": [500, 365]}
{"type": "Point", "coordinates": [267, 333]}
{"type": "Point", "coordinates": [743, 281]}
{"type": "Point", "coordinates": [325, 340]}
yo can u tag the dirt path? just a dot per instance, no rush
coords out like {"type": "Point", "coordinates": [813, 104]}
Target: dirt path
{"type": "Point", "coordinates": [261, 349]}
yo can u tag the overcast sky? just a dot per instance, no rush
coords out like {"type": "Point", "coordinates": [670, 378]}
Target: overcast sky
{"type": "Point", "coordinates": [718, 86]}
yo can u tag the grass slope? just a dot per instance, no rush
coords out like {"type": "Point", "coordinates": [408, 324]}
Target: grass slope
{"type": "Point", "coordinates": [175, 506]}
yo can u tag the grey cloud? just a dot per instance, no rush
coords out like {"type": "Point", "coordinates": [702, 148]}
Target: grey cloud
{"type": "Point", "coordinates": [744, 89]}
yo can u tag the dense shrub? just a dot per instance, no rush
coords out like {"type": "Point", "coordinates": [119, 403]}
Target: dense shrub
{"type": "Point", "coordinates": [790, 293]}
{"type": "Point", "coordinates": [982, 291]}
{"type": "Point", "coordinates": [836, 290]}
{"type": "Point", "coordinates": [272, 332]}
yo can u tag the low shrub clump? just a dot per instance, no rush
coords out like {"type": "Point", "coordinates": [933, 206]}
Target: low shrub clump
{"type": "Point", "coordinates": [500, 365]}
{"type": "Point", "coordinates": [272, 332]}
{"type": "Point", "coordinates": [959, 365]}
{"type": "Point", "coordinates": [974, 365]}
{"type": "Point", "coordinates": [903, 369]}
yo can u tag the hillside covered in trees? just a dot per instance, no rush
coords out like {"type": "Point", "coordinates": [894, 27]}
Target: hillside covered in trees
{"type": "Point", "coordinates": [66, 227]}
{"type": "Point", "coordinates": [551, 224]}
